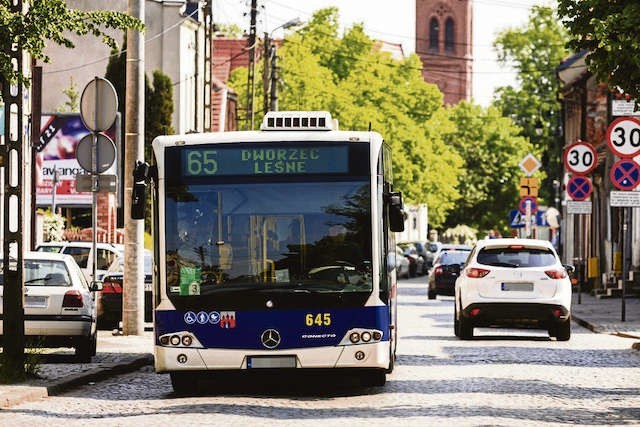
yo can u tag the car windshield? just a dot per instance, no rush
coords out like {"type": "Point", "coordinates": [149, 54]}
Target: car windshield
{"type": "Point", "coordinates": [228, 237]}
{"type": "Point", "coordinates": [46, 273]}
{"type": "Point", "coordinates": [516, 257]}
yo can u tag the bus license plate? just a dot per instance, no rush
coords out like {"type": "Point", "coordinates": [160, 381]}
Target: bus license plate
{"type": "Point", "coordinates": [517, 287]}
{"type": "Point", "coordinates": [266, 362]}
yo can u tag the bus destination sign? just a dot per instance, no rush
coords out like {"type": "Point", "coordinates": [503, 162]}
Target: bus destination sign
{"type": "Point", "coordinates": [218, 160]}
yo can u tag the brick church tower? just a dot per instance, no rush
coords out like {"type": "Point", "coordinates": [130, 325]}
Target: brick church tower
{"type": "Point", "coordinates": [444, 43]}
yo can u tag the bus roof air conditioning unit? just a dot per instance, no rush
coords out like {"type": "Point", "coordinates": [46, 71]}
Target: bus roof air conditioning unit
{"type": "Point", "coordinates": [298, 120]}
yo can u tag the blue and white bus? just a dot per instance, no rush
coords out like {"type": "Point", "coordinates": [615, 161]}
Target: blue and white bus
{"type": "Point", "coordinates": [274, 249]}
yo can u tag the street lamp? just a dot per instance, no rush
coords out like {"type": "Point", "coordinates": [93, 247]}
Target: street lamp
{"type": "Point", "coordinates": [269, 75]}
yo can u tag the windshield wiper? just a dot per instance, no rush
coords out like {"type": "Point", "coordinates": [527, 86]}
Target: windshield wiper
{"type": "Point", "coordinates": [44, 279]}
{"type": "Point", "coordinates": [505, 264]}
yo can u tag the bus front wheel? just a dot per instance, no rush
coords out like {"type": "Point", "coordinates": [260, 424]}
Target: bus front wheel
{"type": "Point", "coordinates": [182, 382]}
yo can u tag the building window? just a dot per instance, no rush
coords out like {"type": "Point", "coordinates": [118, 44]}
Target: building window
{"type": "Point", "coordinates": [449, 38]}
{"type": "Point", "coordinates": [434, 29]}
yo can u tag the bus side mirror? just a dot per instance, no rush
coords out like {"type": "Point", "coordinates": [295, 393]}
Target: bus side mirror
{"type": "Point", "coordinates": [396, 212]}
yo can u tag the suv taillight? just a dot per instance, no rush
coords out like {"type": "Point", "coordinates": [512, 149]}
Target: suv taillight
{"type": "Point", "coordinates": [556, 274]}
{"type": "Point", "coordinates": [438, 270]}
{"type": "Point", "coordinates": [476, 273]}
{"type": "Point", "coordinates": [72, 299]}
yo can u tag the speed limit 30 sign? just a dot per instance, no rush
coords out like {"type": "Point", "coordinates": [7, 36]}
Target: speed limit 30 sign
{"type": "Point", "coordinates": [580, 158]}
{"type": "Point", "coordinates": [623, 137]}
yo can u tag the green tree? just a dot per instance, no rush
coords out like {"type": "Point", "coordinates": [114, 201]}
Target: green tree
{"type": "Point", "coordinates": [72, 104]}
{"type": "Point", "coordinates": [159, 112]}
{"type": "Point", "coordinates": [608, 29]}
{"type": "Point", "coordinates": [536, 49]}
{"type": "Point", "coordinates": [52, 20]}
{"type": "Point", "coordinates": [492, 147]}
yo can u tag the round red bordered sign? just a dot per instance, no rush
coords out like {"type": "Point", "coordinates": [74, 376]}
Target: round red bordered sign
{"type": "Point", "coordinates": [623, 137]}
{"type": "Point", "coordinates": [579, 188]}
{"type": "Point", "coordinates": [580, 158]}
{"type": "Point", "coordinates": [625, 174]}
{"type": "Point", "coordinates": [522, 206]}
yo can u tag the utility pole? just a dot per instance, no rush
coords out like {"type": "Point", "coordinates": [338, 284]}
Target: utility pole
{"type": "Point", "coordinates": [266, 52]}
{"type": "Point", "coordinates": [133, 292]}
{"type": "Point", "coordinates": [208, 52]}
{"type": "Point", "coordinates": [12, 154]}
{"type": "Point", "coordinates": [273, 105]}
{"type": "Point", "coordinates": [252, 63]}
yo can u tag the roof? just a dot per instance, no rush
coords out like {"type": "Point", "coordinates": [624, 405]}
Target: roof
{"type": "Point", "coordinates": [572, 68]}
{"type": "Point", "coordinates": [514, 241]}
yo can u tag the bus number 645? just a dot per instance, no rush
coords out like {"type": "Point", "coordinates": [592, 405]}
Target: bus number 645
{"type": "Point", "coordinates": [319, 319]}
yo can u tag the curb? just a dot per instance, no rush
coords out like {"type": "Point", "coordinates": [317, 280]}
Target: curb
{"type": "Point", "coordinates": [22, 394]}
{"type": "Point", "coordinates": [586, 324]}
{"type": "Point", "coordinates": [100, 373]}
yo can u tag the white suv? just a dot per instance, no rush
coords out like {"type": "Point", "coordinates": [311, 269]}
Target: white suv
{"type": "Point", "coordinates": [513, 283]}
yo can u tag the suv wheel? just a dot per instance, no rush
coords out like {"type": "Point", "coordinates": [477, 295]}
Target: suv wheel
{"type": "Point", "coordinates": [562, 331]}
{"type": "Point", "coordinates": [456, 322]}
{"type": "Point", "coordinates": [431, 294]}
{"type": "Point", "coordinates": [465, 329]}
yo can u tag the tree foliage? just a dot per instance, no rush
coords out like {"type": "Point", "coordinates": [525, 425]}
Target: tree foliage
{"type": "Point", "coordinates": [608, 29]}
{"type": "Point", "coordinates": [52, 20]}
{"type": "Point", "coordinates": [536, 49]}
{"type": "Point", "coordinates": [492, 148]}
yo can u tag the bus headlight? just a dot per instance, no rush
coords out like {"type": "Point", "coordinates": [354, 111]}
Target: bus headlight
{"type": "Point", "coordinates": [357, 336]}
{"type": "Point", "coordinates": [179, 339]}
{"type": "Point", "coordinates": [354, 337]}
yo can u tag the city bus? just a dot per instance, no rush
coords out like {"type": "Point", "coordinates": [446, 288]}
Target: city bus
{"type": "Point", "coordinates": [274, 250]}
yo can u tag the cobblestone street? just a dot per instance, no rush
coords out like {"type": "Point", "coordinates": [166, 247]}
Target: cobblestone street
{"type": "Point", "coordinates": [503, 377]}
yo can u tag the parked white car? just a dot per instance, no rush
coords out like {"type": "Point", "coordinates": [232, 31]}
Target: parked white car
{"type": "Point", "coordinates": [401, 263]}
{"type": "Point", "coordinates": [59, 309]}
{"type": "Point", "coordinates": [513, 283]}
{"type": "Point", "coordinates": [107, 253]}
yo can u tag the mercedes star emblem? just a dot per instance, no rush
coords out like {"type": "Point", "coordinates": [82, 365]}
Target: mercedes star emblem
{"type": "Point", "coordinates": [270, 338]}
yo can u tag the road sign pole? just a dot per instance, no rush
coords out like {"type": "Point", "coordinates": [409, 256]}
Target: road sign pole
{"type": "Point", "coordinates": [528, 218]}
{"type": "Point", "coordinates": [626, 255]}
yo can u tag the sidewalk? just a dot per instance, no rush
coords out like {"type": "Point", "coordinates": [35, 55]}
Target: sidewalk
{"type": "Point", "coordinates": [604, 315]}
{"type": "Point", "coordinates": [60, 372]}
{"type": "Point", "coordinates": [120, 354]}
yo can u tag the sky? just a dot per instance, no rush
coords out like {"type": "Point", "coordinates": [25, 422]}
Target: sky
{"type": "Point", "coordinates": [394, 21]}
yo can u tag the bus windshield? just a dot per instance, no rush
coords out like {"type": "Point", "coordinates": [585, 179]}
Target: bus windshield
{"type": "Point", "coordinates": [284, 236]}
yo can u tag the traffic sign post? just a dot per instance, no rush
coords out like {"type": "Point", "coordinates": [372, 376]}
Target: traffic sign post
{"type": "Point", "coordinates": [98, 109]}
{"type": "Point", "coordinates": [580, 158]}
{"type": "Point", "coordinates": [579, 188]}
{"type": "Point", "coordinates": [533, 201]}
{"type": "Point", "coordinates": [623, 137]}
{"type": "Point", "coordinates": [625, 174]}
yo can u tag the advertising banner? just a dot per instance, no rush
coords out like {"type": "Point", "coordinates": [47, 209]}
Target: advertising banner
{"type": "Point", "coordinates": [56, 150]}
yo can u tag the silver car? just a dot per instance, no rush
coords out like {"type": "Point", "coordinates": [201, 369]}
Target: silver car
{"type": "Point", "coordinates": [59, 308]}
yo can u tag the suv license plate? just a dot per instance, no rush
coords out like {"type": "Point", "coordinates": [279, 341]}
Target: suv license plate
{"type": "Point", "coordinates": [517, 287]}
{"type": "Point", "coordinates": [266, 362]}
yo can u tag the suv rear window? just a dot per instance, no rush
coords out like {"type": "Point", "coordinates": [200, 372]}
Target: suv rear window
{"type": "Point", "coordinates": [516, 257]}
{"type": "Point", "coordinates": [81, 255]}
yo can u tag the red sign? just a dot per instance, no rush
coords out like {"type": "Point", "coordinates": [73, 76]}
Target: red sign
{"type": "Point", "coordinates": [579, 188]}
{"type": "Point", "coordinates": [522, 206]}
{"type": "Point", "coordinates": [580, 158]}
{"type": "Point", "coordinates": [623, 137]}
{"type": "Point", "coordinates": [625, 174]}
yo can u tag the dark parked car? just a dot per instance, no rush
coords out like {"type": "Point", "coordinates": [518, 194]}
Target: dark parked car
{"type": "Point", "coordinates": [416, 262]}
{"type": "Point", "coordinates": [110, 298]}
{"type": "Point", "coordinates": [432, 249]}
{"type": "Point", "coordinates": [445, 271]}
